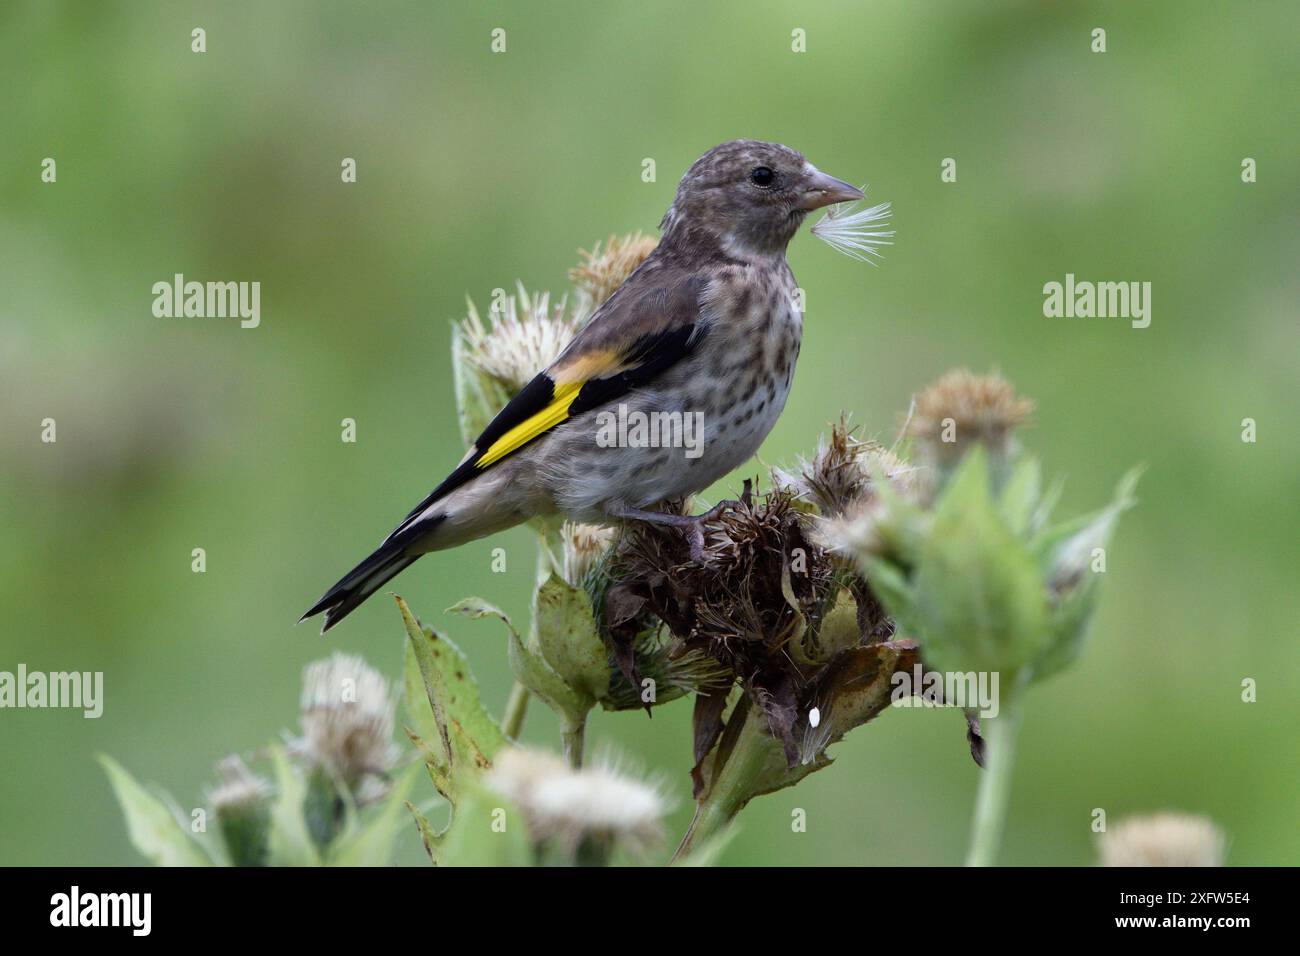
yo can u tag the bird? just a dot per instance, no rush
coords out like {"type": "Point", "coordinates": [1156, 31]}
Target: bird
{"type": "Point", "coordinates": [709, 325]}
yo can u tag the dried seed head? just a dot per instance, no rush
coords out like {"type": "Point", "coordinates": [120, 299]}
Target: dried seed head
{"type": "Point", "coordinates": [570, 806]}
{"type": "Point", "coordinates": [524, 335]}
{"type": "Point", "coordinates": [347, 718]}
{"type": "Point", "coordinates": [1163, 839]}
{"type": "Point", "coordinates": [751, 597]}
{"type": "Point", "coordinates": [842, 472]}
{"type": "Point", "coordinates": [584, 546]}
{"type": "Point", "coordinates": [675, 672]}
{"type": "Point", "coordinates": [603, 271]}
{"type": "Point", "coordinates": [856, 531]}
{"type": "Point", "coordinates": [962, 408]}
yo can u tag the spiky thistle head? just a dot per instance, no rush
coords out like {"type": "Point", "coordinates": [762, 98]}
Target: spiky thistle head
{"type": "Point", "coordinates": [962, 407]}
{"type": "Point", "coordinates": [1163, 839]}
{"type": "Point", "coordinates": [239, 786]}
{"type": "Point", "coordinates": [523, 334]}
{"type": "Point", "coordinates": [604, 270]}
{"type": "Point", "coordinates": [242, 804]}
{"type": "Point", "coordinates": [584, 546]}
{"type": "Point", "coordinates": [584, 811]}
{"type": "Point", "coordinates": [347, 718]}
{"type": "Point", "coordinates": [843, 471]}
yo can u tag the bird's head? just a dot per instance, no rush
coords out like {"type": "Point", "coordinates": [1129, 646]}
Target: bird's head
{"type": "Point", "coordinates": [748, 198]}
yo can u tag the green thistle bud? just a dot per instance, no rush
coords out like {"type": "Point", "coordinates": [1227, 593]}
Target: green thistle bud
{"type": "Point", "coordinates": [242, 806]}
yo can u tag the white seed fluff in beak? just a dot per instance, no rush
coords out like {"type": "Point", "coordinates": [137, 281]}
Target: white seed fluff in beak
{"type": "Point", "coordinates": [852, 233]}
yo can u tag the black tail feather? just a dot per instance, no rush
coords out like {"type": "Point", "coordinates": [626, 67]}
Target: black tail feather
{"type": "Point", "coordinates": [361, 582]}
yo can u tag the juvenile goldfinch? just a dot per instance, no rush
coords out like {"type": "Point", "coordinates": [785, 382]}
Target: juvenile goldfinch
{"type": "Point", "coordinates": [707, 324]}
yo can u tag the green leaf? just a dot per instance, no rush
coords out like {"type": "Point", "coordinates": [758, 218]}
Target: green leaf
{"type": "Point", "coordinates": [839, 626]}
{"type": "Point", "coordinates": [1051, 544]}
{"type": "Point", "coordinates": [902, 525]}
{"type": "Point", "coordinates": [475, 608]}
{"type": "Point", "coordinates": [891, 587]}
{"type": "Point", "coordinates": [151, 827]}
{"type": "Point", "coordinates": [566, 633]}
{"type": "Point", "coordinates": [487, 830]}
{"type": "Point", "coordinates": [541, 680]}
{"type": "Point", "coordinates": [1067, 556]}
{"type": "Point", "coordinates": [748, 762]}
{"type": "Point", "coordinates": [1020, 498]}
{"type": "Point", "coordinates": [455, 718]}
{"type": "Point", "coordinates": [711, 849]}
{"type": "Point", "coordinates": [430, 837]}
{"type": "Point", "coordinates": [529, 668]}
{"type": "Point", "coordinates": [290, 840]}
{"type": "Point", "coordinates": [371, 842]}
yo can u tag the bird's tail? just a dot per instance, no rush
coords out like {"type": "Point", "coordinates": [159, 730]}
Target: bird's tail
{"type": "Point", "coordinates": [389, 560]}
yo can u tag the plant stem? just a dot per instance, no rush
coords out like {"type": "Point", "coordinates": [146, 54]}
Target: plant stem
{"type": "Point", "coordinates": [573, 734]}
{"type": "Point", "coordinates": [516, 709]}
{"type": "Point", "coordinates": [995, 783]}
{"type": "Point", "coordinates": [711, 818]}
{"type": "Point", "coordinates": [732, 785]}
{"type": "Point", "coordinates": [512, 722]}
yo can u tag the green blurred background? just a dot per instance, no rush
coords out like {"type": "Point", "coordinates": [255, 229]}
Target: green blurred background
{"type": "Point", "coordinates": [476, 169]}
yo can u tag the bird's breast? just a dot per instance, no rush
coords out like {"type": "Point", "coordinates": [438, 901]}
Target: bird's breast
{"type": "Point", "coordinates": [702, 419]}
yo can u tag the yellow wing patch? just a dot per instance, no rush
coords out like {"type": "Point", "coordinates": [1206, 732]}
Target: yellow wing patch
{"type": "Point", "coordinates": [550, 416]}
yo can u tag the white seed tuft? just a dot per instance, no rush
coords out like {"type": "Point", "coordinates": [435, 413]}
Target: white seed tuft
{"type": "Point", "coordinates": [1163, 839]}
{"type": "Point", "coordinates": [568, 806]}
{"type": "Point", "coordinates": [852, 233]}
{"type": "Point", "coordinates": [584, 546]}
{"type": "Point", "coordinates": [347, 717]}
{"type": "Point", "coordinates": [239, 786]}
{"type": "Point", "coordinates": [522, 337]}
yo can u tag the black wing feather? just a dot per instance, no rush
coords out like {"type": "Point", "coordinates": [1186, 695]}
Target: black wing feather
{"type": "Point", "coordinates": [649, 356]}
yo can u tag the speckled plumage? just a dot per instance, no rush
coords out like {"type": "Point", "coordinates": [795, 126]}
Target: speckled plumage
{"type": "Point", "coordinates": [707, 323]}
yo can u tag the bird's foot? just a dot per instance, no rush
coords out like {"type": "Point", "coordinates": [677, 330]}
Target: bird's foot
{"type": "Point", "coordinates": [692, 526]}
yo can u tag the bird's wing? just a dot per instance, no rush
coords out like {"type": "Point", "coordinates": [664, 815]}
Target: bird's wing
{"type": "Point", "coordinates": [641, 331]}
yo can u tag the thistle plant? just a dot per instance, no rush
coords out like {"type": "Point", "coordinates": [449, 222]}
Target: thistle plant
{"type": "Point", "coordinates": [974, 569]}
{"type": "Point", "coordinates": [331, 799]}
{"type": "Point", "coordinates": [810, 605]}
{"type": "Point", "coordinates": [604, 270]}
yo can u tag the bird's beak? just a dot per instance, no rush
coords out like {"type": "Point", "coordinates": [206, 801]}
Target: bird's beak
{"type": "Point", "coordinates": [822, 190]}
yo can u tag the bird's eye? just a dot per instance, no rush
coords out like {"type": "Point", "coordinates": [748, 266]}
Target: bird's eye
{"type": "Point", "coordinates": [762, 176]}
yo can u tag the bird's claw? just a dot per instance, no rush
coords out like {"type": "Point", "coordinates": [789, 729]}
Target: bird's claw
{"type": "Point", "coordinates": [695, 531]}
{"type": "Point", "coordinates": [695, 537]}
